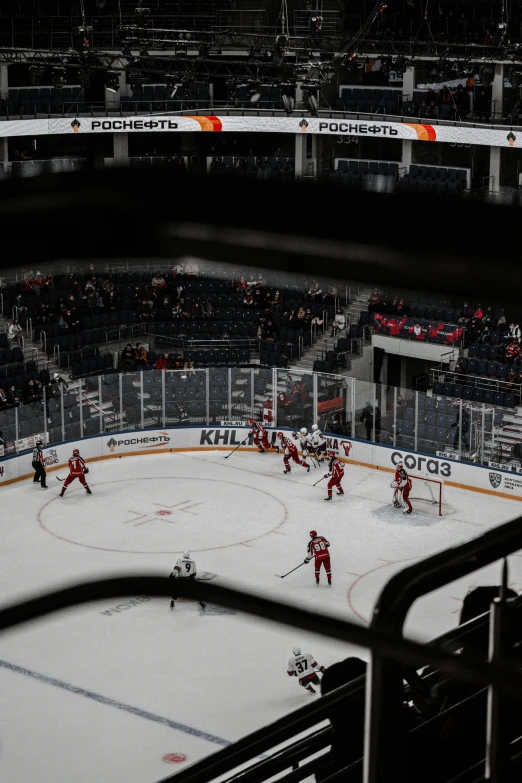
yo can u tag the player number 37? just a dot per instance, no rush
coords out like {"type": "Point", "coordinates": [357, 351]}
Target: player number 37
{"type": "Point", "coordinates": [301, 666]}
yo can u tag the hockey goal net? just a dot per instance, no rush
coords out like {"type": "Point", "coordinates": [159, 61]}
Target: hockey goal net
{"type": "Point", "coordinates": [428, 493]}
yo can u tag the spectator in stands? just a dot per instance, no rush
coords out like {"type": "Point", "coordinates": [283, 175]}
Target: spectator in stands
{"type": "Point", "coordinates": [301, 314]}
{"type": "Point", "coordinates": [3, 399]}
{"type": "Point", "coordinates": [367, 417]}
{"type": "Point", "coordinates": [299, 392]}
{"type": "Point", "coordinates": [206, 307]}
{"type": "Point", "coordinates": [140, 356]}
{"type": "Point", "coordinates": [146, 308]}
{"type": "Point", "coordinates": [270, 331]}
{"type": "Point", "coordinates": [444, 101]}
{"type": "Point", "coordinates": [128, 359]}
{"type": "Point", "coordinates": [248, 300]}
{"type": "Point", "coordinates": [191, 268]}
{"type": "Point", "coordinates": [513, 351]}
{"type": "Point", "coordinates": [163, 362]}
{"type": "Point", "coordinates": [485, 336]}
{"type": "Point", "coordinates": [339, 322]}
{"type": "Point", "coordinates": [513, 384]}
{"type": "Point", "coordinates": [15, 332]}
{"type": "Point", "coordinates": [314, 293]}
{"type": "Point", "coordinates": [277, 302]}
{"type": "Point", "coordinates": [158, 281]}
{"type": "Point", "coordinates": [13, 398]}
{"type": "Point", "coordinates": [178, 362]}
{"type": "Point", "coordinates": [459, 371]}
{"type": "Point", "coordinates": [188, 367]}
{"type": "Point", "coordinates": [241, 164]}
{"type": "Point", "coordinates": [465, 426]}
{"type": "Point", "coordinates": [482, 105]}
{"type": "Point", "coordinates": [336, 427]}
{"type": "Point", "coordinates": [514, 332]}
{"type": "Point", "coordinates": [375, 300]}
{"type": "Point", "coordinates": [283, 402]}
{"type": "Point", "coordinates": [62, 323]}
{"type": "Point", "coordinates": [30, 393]}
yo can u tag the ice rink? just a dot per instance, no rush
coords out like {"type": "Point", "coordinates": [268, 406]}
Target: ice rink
{"type": "Point", "coordinates": [133, 691]}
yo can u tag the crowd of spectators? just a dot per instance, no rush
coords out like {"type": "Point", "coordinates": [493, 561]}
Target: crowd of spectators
{"type": "Point", "coordinates": [447, 103]}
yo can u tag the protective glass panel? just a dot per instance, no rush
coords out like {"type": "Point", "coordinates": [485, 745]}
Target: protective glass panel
{"type": "Point", "coordinates": [241, 393]}
{"type": "Point", "coordinates": [152, 398]}
{"type": "Point", "coordinates": [176, 403]}
{"type": "Point", "coordinates": [131, 403]}
{"type": "Point", "coordinates": [7, 431]}
{"type": "Point", "coordinates": [218, 387]}
{"type": "Point", "coordinates": [331, 403]}
{"type": "Point", "coordinates": [110, 403]}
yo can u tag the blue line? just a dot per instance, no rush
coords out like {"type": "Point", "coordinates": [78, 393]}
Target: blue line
{"type": "Point", "coordinates": [113, 703]}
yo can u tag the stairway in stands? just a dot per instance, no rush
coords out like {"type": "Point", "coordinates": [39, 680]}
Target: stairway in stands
{"type": "Point", "coordinates": [32, 350]}
{"type": "Point", "coordinates": [325, 342]}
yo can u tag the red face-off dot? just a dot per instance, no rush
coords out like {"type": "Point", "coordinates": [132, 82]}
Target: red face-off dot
{"type": "Point", "coordinates": [163, 513]}
{"type": "Point", "coordinates": [174, 758]}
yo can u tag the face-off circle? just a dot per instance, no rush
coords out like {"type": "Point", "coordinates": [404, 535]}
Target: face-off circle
{"type": "Point", "coordinates": [160, 514]}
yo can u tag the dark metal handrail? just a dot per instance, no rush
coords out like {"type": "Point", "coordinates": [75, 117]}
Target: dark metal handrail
{"type": "Point", "coordinates": [401, 651]}
{"type": "Point", "coordinates": [385, 732]}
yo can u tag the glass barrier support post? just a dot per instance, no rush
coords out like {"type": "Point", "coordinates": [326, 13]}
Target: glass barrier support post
{"type": "Point", "coordinates": [229, 384]}
{"type": "Point", "coordinates": [415, 439]}
{"type": "Point", "coordinates": [394, 425]}
{"type": "Point", "coordinates": [100, 397]}
{"type": "Point", "coordinates": [142, 403]}
{"type": "Point", "coordinates": [252, 386]}
{"type": "Point", "coordinates": [17, 437]}
{"type": "Point", "coordinates": [62, 410]}
{"type": "Point", "coordinates": [80, 383]}
{"type": "Point", "coordinates": [483, 433]}
{"type": "Point", "coordinates": [163, 414]}
{"type": "Point", "coordinates": [315, 400]}
{"type": "Point", "coordinates": [207, 395]}
{"type": "Point", "coordinates": [274, 396]}
{"type": "Point", "coordinates": [120, 389]}
{"type": "Point", "coordinates": [460, 429]}
{"type": "Point", "coordinates": [45, 430]}
{"type": "Point", "coordinates": [353, 407]}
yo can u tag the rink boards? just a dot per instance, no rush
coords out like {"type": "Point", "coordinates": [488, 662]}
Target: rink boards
{"type": "Point", "coordinates": [196, 438]}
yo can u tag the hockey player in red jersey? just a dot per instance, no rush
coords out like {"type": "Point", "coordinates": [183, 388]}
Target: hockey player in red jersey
{"type": "Point", "coordinates": [77, 470]}
{"type": "Point", "coordinates": [290, 452]}
{"type": "Point", "coordinates": [318, 549]}
{"type": "Point", "coordinates": [402, 485]}
{"type": "Point", "coordinates": [335, 474]}
{"type": "Point", "coordinates": [260, 436]}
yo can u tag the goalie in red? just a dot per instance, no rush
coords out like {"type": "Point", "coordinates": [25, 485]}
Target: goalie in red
{"type": "Point", "coordinates": [290, 452]}
{"type": "Point", "coordinates": [402, 486]}
{"type": "Point", "coordinates": [260, 436]}
{"type": "Point", "coordinates": [77, 470]}
{"type": "Point", "coordinates": [335, 474]}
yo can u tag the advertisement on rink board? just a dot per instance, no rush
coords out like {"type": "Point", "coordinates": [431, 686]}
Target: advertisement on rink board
{"type": "Point", "coordinates": [350, 127]}
{"type": "Point", "coordinates": [359, 452]}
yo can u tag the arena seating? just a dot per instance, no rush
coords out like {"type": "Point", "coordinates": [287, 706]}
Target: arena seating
{"type": "Point", "coordinates": [42, 100]}
{"type": "Point", "coordinates": [370, 100]}
{"type": "Point", "coordinates": [253, 166]}
{"type": "Point", "coordinates": [433, 178]}
{"type": "Point", "coordinates": [356, 172]}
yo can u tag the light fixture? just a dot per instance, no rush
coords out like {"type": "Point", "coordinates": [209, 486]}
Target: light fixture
{"type": "Point", "coordinates": [313, 105]}
{"type": "Point", "coordinates": [36, 72]}
{"type": "Point", "coordinates": [136, 81]}
{"type": "Point", "coordinates": [58, 76]}
{"type": "Point", "coordinates": [204, 51]}
{"type": "Point", "coordinates": [112, 81]}
{"type": "Point", "coordinates": [144, 52]}
{"type": "Point", "coordinates": [85, 79]}
{"type": "Point", "coordinates": [231, 90]}
{"type": "Point", "coordinates": [487, 74]}
{"type": "Point", "coordinates": [288, 97]}
{"type": "Point", "coordinates": [515, 77]}
{"type": "Point", "coordinates": [172, 87]}
{"type": "Point", "coordinates": [255, 96]}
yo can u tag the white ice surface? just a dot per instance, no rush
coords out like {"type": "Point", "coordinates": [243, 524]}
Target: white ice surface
{"type": "Point", "coordinates": [90, 696]}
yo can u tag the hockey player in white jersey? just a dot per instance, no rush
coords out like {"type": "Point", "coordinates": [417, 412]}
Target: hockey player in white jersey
{"type": "Point", "coordinates": [305, 668]}
{"type": "Point", "coordinates": [185, 568]}
{"type": "Point", "coordinates": [305, 441]}
{"type": "Point", "coordinates": [319, 443]}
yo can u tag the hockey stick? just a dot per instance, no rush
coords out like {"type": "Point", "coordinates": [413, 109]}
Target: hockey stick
{"type": "Point", "coordinates": [290, 572]}
{"type": "Point", "coordinates": [241, 444]}
{"type": "Point", "coordinates": [59, 479]}
{"type": "Point", "coordinates": [321, 479]}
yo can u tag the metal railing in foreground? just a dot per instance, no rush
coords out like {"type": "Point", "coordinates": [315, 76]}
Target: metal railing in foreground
{"type": "Point", "coordinates": [390, 652]}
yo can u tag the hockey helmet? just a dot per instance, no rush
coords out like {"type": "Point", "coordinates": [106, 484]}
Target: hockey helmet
{"type": "Point", "coordinates": [303, 431]}
{"type": "Point", "coordinates": [399, 465]}
{"type": "Point", "coordinates": [280, 435]}
{"type": "Point", "coordinates": [39, 443]}
{"type": "Point", "coordinates": [296, 651]}
{"type": "Point", "coordinates": [186, 555]}
{"type": "Point", "coordinates": [315, 427]}
{"type": "Point", "coordinates": [76, 452]}
{"type": "Point", "coordinates": [313, 533]}
{"type": "Point", "coordinates": [331, 454]}
{"type": "Point", "coordinates": [251, 421]}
